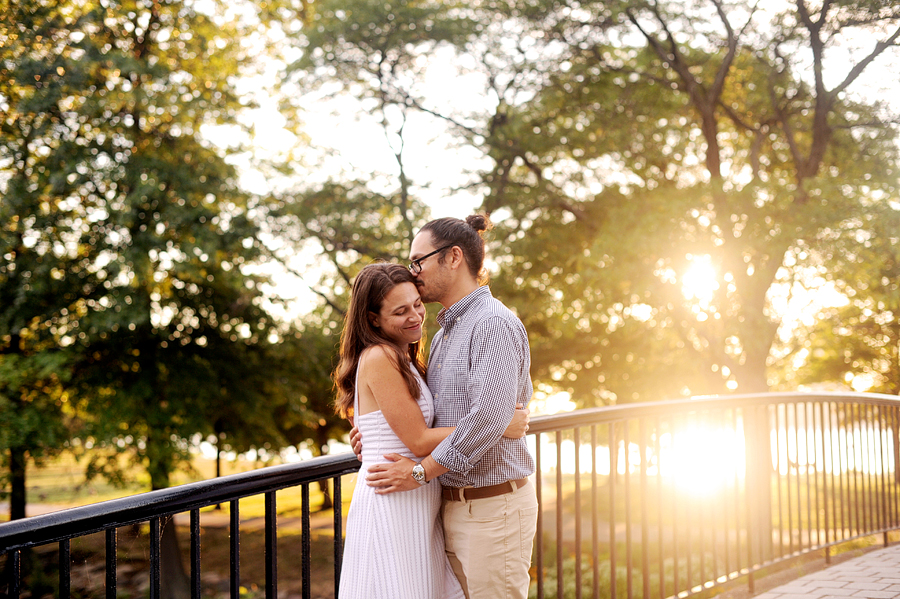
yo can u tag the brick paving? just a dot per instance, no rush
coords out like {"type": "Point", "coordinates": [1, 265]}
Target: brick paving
{"type": "Point", "coordinates": [875, 575]}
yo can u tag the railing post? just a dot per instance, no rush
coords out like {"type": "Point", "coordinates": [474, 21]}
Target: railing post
{"type": "Point", "coordinates": [271, 547]}
{"type": "Point", "coordinates": [235, 550]}
{"type": "Point", "coordinates": [111, 562]}
{"type": "Point", "coordinates": [559, 517]}
{"type": "Point", "coordinates": [154, 557]}
{"type": "Point", "coordinates": [65, 569]}
{"type": "Point", "coordinates": [645, 537]}
{"type": "Point", "coordinates": [613, 472]}
{"type": "Point", "coordinates": [595, 533]}
{"type": "Point", "coordinates": [338, 512]}
{"type": "Point", "coordinates": [305, 543]}
{"type": "Point", "coordinates": [195, 554]}
{"type": "Point", "coordinates": [15, 572]}
{"type": "Point", "coordinates": [540, 519]}
{"type": "Point", "coordinates": [577, 440]}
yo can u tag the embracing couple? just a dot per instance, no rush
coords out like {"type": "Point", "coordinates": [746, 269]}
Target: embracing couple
{"type": "Point", "coordinates": [438, 444]}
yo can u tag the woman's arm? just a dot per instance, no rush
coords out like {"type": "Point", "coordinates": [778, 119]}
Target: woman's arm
{"type": "Point", "coordinates": [380, 377]}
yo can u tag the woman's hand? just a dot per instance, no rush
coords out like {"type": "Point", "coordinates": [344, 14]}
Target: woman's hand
{"type": "Point", "coordinates": [519, 424]}
{"type": "Point", "coordinates": [393, 475]}
{"type": "Point", "coordinates": [356, 441]}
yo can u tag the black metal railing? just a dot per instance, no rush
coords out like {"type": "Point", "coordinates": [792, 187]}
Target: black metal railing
{"type": "Point", "coordinates": [646, 500]}
{"type": "Point", "coordinates": [156, 507]}
{"type": "Point", "coordinates": [669, 499]}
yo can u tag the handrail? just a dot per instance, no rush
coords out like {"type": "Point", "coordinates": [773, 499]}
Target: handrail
{"type": "Point", "coordinates": [606, 414]}
{"type": "Point", "coordinates": [87, 519]}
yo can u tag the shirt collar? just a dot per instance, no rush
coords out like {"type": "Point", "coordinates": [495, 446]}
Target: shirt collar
{"type": "Point", "coordinates": [456, 311]}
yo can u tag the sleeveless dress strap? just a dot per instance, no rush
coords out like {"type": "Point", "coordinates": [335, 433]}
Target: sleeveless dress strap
{"type": "Point", "coordinates": [356, 397]}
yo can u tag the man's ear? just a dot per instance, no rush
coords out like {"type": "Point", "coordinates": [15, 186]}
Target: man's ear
{"type": "Point", "coordinates": [457, 258]}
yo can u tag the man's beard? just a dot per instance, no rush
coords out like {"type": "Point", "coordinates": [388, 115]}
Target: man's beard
{"type": "Point", "coordinates": [431, 293]}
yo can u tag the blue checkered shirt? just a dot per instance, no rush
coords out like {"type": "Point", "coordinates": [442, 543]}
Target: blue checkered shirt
{"type": "Point", "coordinates": [478, 369]}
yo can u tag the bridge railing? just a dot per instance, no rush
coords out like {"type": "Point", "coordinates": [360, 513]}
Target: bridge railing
{"type": "Point", "coordinates": [157, 508]}
{"type": "Point", "coordinates": [669, 499]}
{"type": "Point", "coordinates": [650, 500]}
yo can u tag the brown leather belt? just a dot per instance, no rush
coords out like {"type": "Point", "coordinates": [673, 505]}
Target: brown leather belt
{"type": "Point", "coordinates": [467, 493]}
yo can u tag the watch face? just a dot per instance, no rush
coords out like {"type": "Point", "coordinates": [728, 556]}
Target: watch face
{"type": "Point", "coordinates": [418, 473]}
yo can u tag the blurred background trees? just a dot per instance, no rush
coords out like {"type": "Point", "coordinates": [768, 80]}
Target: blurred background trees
{"type": "Point", "coordinates": [669, 181]}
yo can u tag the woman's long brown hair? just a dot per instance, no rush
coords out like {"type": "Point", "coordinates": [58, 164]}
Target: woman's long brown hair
{"type": "Point", "coordinates": [372, 284]}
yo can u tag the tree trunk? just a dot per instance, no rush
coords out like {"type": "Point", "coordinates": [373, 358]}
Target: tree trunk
{"type": "Point", "coordinates": [17, 501]}
{"type": "Point", "coordinates": [218, 465]}
{"type": "Point", "coordinates": [174, 581]}
{"type": "Point", "coordinates": [758, 481]}
{"type": "Point", "coordinates": [17, 472]}
{"type": "Point", "coordinates": [322, 444]}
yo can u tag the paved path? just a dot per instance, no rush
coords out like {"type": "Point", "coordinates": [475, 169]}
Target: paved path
{"type": "Point", "coordinates": [875, 575]}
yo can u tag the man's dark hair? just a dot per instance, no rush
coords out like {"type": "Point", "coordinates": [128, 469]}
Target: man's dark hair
{"type": "Point", "coordinates": [467, 234]}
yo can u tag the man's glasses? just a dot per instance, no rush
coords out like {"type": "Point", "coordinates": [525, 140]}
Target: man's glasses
{"type": "Point", "coordinates": [415, 267]}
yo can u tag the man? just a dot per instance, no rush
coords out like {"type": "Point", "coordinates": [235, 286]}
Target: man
{"type": "Point", "coordinates": [478, 370]}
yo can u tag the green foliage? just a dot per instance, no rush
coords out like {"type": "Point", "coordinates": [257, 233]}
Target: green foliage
{"type": "Point", "coordinates": [859, 339]}
{"type": "Point", "coordinates": [126, 239]}
{"type": "Point", "coordinates": [364, 41]}
{"type": "Point", "coordinates": [348, 226]}
{"type": "Point", "coordinates": [631, 145]}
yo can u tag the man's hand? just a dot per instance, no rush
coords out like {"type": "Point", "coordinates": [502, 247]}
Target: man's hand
{"type": "Point", "coordinates": [392, 477]}
{"type": "Point", "coordinates": [356, 442]}
{"type": "Point", "coordinates": [519, 424]}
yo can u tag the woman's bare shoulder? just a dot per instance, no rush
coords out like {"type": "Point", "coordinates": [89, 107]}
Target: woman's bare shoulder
{"type": "Point", "coordinates": [377, 357]}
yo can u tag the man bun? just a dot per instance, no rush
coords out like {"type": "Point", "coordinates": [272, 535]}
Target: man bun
{"type": "Point", "coordinates": [479, 222]}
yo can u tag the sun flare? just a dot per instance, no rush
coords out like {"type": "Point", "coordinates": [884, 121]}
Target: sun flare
{"type": "Point", "coordinates": [703, 461]}
{"type": "Point", "coordinates": [700, 281]}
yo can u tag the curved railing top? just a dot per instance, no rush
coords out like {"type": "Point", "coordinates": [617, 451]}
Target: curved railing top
{"type": "Point", "coordinates": [607, 414]}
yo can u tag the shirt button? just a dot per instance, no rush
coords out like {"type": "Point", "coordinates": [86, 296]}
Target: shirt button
{"type": "Point", "coordinates": [439, 365]}
{"type": "Point", "coordinates": [446, 336]}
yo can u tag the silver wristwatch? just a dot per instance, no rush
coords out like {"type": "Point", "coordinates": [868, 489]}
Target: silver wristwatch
{"type": "Point", "coordinates": [418, 473]}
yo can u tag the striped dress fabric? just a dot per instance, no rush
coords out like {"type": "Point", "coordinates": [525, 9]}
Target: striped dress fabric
{"type": "Point", "coordinates": [395, 543]}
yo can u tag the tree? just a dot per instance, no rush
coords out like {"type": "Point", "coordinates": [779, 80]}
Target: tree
{"type": "Point", "coordinates": [128, 236]}
{"type": "Point", "coordinates": [859, 340]}
{"type": "Point", "coordinates": [304, 411]}
{"type": "Point", "coordinates": [633, 144]}
{"type": "Point", "coordinates": [347, 226]}
{"type": "Point", "coordinates": [351, 219]}
{"type": "Point", "coordinates": [708, 145]}
{"type": "Point", "coordinates": [46, 258]}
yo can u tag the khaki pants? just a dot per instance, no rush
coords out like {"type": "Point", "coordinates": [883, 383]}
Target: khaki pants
{"type": "Point", "coordinates": [489, 543]}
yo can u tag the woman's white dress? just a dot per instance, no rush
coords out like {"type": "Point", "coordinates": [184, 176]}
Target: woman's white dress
{"type": "Point", "coordinates": [395, 543]}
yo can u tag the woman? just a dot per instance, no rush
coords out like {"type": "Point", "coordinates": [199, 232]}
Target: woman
{"type": "Point", "coordinates": [395, 544]}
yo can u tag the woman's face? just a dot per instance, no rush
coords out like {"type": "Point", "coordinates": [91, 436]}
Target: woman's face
{"type": "Point", "coordinates": [401, 315]}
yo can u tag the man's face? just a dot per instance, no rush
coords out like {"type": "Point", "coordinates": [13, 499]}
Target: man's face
{"type": "Point", "coordinates": [433, 280]}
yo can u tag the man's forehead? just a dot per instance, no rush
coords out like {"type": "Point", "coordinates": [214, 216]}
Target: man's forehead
{"type": "Point", "coordinates": [421, 245]}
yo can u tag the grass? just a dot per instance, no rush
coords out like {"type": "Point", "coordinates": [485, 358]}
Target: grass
{"type": "Point", "coordinates": [61, 483]}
